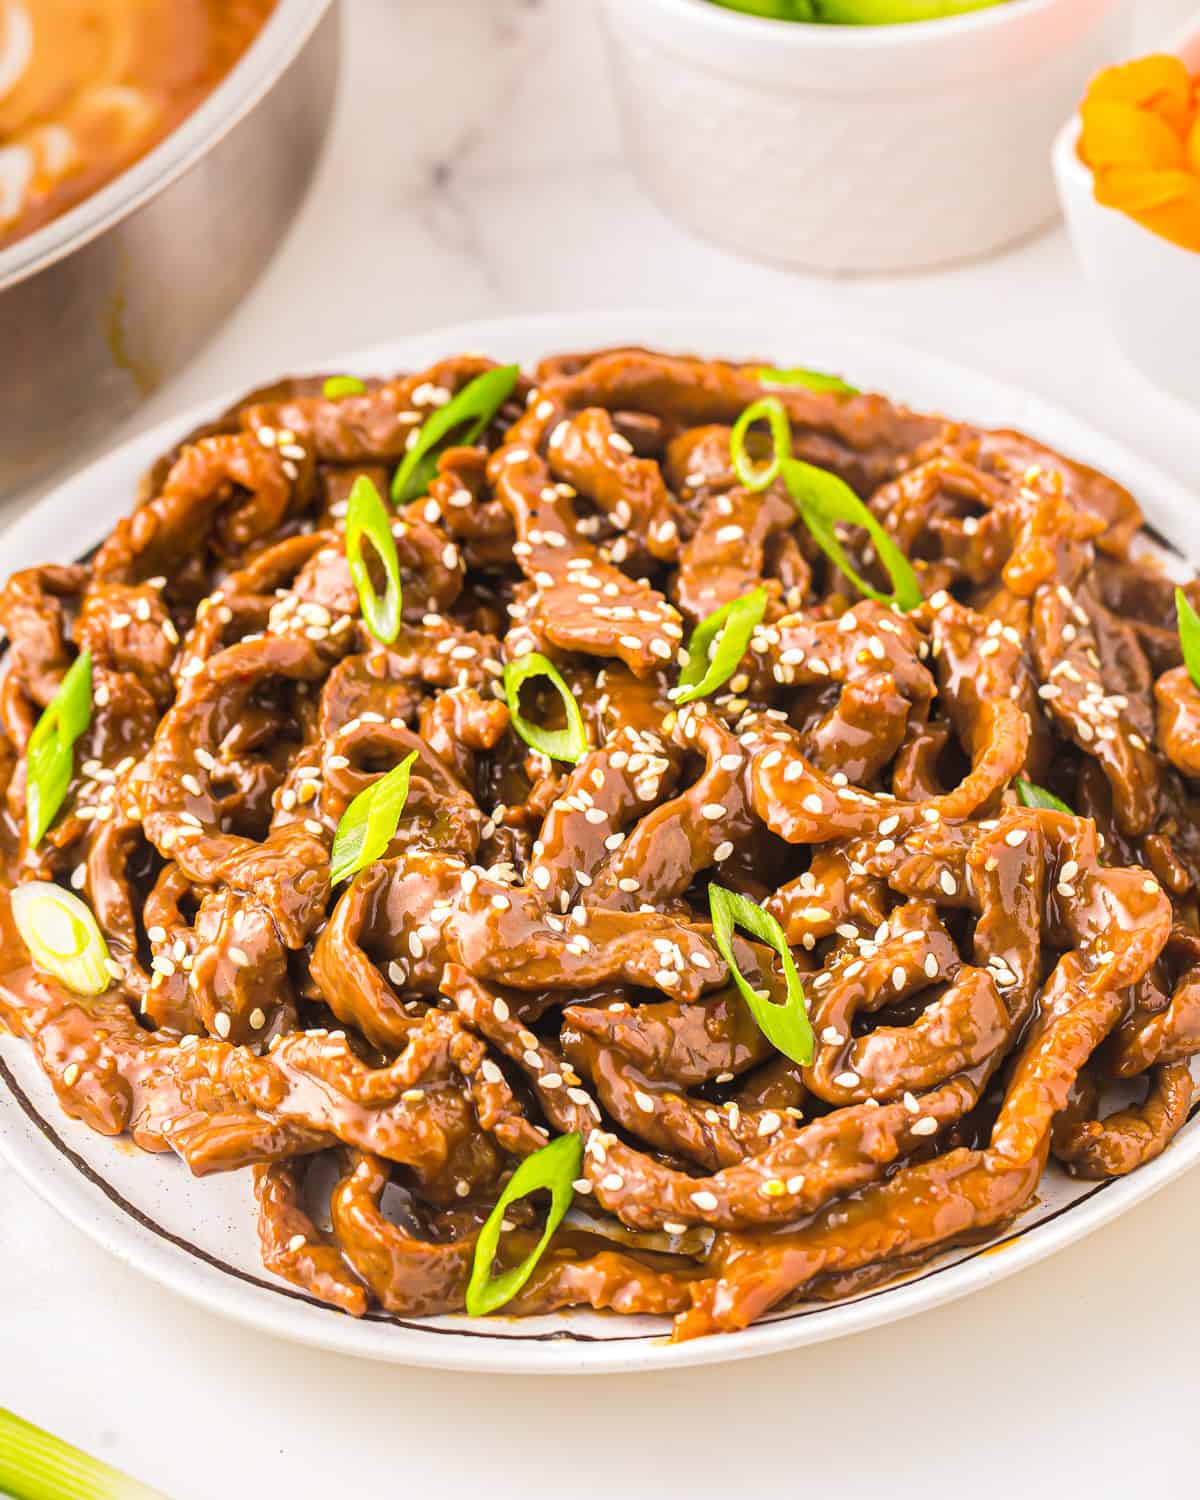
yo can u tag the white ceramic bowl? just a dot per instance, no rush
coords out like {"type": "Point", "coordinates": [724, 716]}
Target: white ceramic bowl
{"type": "Point", "coordinates": [852, 148]}
{"type": "Point", "coordinates": [1148, 288]}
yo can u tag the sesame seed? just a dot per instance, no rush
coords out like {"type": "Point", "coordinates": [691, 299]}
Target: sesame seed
{"type": "Point", "coordinates": [847, 1080]}
{"type": "Point", "coordinates": [705, 1201]}
{"type": "Point", "coordinates": [926, 1125]}
{"type": "Point", "coordinates": [221, 1024]}
{"type": "Point", "coordinates": [948, 883]}
{"type": "Point", "coordinates": [1015, 837]}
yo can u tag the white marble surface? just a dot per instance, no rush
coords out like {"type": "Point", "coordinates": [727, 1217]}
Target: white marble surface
{"type": "Point", "coordinates": [492, 182]}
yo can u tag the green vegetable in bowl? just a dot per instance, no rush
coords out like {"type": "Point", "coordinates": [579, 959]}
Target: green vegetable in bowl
{"type": "Point", "coordinates": [858, 12]}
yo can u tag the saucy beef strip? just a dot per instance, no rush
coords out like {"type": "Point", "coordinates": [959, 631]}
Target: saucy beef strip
{"type": "Point", "coordinates": [991, 985]}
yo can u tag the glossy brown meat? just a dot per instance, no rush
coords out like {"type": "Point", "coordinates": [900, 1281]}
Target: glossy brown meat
{"type": "Point", "coordinates": [991, 986]}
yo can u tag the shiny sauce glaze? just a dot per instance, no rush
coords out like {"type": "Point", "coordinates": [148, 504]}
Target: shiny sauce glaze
{"type": "Point", "coordinates": [532, 954]}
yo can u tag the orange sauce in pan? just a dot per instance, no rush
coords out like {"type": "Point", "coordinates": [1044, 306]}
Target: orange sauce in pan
{"type": "Point", "coordinates": [89, 86]}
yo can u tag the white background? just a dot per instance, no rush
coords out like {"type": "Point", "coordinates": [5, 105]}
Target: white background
{"type": "Point", "coordinates": [475, 169]}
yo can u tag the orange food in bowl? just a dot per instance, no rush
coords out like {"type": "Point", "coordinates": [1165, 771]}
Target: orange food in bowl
{"type": "Point", "coordinates": [89, 86]}
{"type": "Point", "coordinates": [1141, 138]}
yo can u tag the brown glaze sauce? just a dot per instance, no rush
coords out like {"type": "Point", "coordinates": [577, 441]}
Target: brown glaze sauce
{"type": "Point", "coordinates": [532, 954]}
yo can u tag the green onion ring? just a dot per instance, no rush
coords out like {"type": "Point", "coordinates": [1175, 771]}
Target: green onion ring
{"type": "Point", "coordinates": [343, 385]}
{"type": "Point", "coordinates": [555, 1168]}
{"type": "Point", "coordinates": [787, 1026]}
{"type": "Point", "coordinates": [1029, 794]}
{"type": "Point", "coordinates": [811, 380]}
{"type": "Point", "coordinates": [476, 404]}
{"type": "Point", "coordinates": [369, 823]}
{"type": "Point", "coordinates": [770, 410]}
{"type": "Point", "coordinates": [50, 758]}
{"type": "Point", "coordinates": [62, 936]}
{"type": "Point", "coordinates": [1189, 635]}
{"type": "Point", "coordinates": [367, 516]}
{"type": "Point", "coordinates": [569, 744]}
{"type": "Point", "coordinates": [718, 644]}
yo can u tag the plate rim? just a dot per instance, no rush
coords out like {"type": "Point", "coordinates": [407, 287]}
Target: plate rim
{"type": "Point", "coordinates": [27, 1140]}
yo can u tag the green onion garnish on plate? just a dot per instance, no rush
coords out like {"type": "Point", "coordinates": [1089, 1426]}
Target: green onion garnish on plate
{"type": "Point", "coordinates": [50, 756]}
{"type": "Point", "coordinates": [750, 475]}
{"type": "Point", "coordinates": [718, 644]}
{"type": "Point", "coordinates": [367, 517]}
{"type": "Point", "coordinates": [369, 823]}
{"type": "Point", "coordinates": [823, 501]}
{"type": "Point", "coordinates": [472, 409]}
{"type": "Point", "coordinates": [787, 1026]}
{"type": "Point", "coordinates": [554, 1169]}
{"type": "Point", "coordinates": [811, 380]}
{"type": "Point", "coordinates": [1029, 794]}
{"type": "Point", "coordinates": [36, 1465]}
{"type": "Point", "coordinates": [338, 386]}
{"type": "Point", "coordinates": [62, 936]}
{"type": "Point", "coordinates": [569, 744]}
{"type": "Point", "coordinates": [1189, 635]}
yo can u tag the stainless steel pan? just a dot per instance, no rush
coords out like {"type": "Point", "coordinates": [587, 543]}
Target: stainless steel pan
{"type": "Point", "coordinates": [102, 305]}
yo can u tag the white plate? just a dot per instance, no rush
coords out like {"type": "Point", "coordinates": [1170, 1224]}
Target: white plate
{"type": "Point", "coordinates": [198, 1236]}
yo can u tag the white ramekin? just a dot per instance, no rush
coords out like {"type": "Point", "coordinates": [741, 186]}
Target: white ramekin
{"type": "Point", "coordinates": [847, 148]}
{"type": "Point", "coordinates": [1148, 288]}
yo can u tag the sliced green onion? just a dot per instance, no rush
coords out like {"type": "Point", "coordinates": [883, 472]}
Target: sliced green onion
{"type": "Point", "coordinates": [36, 1465]}
{"type": "Point", "coordinates": [50, 759]}
{"type": "Point", "coordinates": [1029, 794]}
{"type": "Point", "coordinates": [751, 475]}
{"type": "Point", "coordinates": [811, 380]}
{"type": "Point", "coordinates": [343, 385]}
{"type": "Point", "coordinates": [774, 10]}
{"type": "Point", "coordinates": [718, 644]}
{"type": "Point", "coordinates": [473, 408]}
{"type": "Point", "coordinates": [571, 743]}
{"type": "Point", "coordinates": [555, 1168]}
{"type": "Point", "coordinates": [823, 500]}
{"type": "Point", "coordinates": [1189, 635]}
{"type": "Point", "coordinates": [785, 1026]}
{"type": "Point", "coordinates": [62, 936]}
{"type": "Point", "coordinates": [367, 516]}
{"type": "Point", "coordinates": [369, 823]}
{"type": "Point", "coordinates": [894, 12]}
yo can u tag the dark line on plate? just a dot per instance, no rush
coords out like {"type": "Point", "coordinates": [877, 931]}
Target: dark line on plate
{"type": "Point", "coordinates": [558, 1336]}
